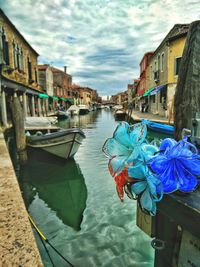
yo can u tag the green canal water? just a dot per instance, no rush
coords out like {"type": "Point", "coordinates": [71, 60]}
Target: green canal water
{"type": "Point", "coordinates": [75, 204]}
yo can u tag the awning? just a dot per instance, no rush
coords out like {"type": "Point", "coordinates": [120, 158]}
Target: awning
{"type": "Point", "coordinates": [54, 97]}
{"type": "Point", "coordinates": [148, 92]}
{"type": "Point", "coordinates": [70, 100]}
{"type": "Point", "coordinates": [64, 99]}
{"type": "Point", "coordinates": [158, 89]}
{"type": "Point", "coordinates": [43, 96]}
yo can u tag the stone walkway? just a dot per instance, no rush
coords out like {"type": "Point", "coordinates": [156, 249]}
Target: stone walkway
{"type": "Point", "coordinates": [17, 243]}
{"type": "Point", "coordinates": [138, 116]}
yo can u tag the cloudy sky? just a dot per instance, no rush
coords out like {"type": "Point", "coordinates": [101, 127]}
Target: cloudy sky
{"type": "Point", "coordinates": [101, 41]}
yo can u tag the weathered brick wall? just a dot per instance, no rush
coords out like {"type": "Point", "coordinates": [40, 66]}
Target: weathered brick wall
{"type": "Point", "coordinates": [19, 76]}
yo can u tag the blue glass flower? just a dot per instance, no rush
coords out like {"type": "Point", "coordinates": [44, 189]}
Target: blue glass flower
{"type": "Point", "coordinates": [148, 187]}
{"type": "Point", "coordinates": [177, 166]}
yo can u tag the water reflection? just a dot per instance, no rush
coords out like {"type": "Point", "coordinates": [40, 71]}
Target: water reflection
{"type": "Point", "coordinates": [59, 184]}
{"type": "Point", "coordinates": [82, 121]}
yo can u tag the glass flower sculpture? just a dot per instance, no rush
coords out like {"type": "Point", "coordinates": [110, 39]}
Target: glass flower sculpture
{"type": "Point", "coordinates": [177, 166]}
{"type": "Point", "coordinates": [150, 170]}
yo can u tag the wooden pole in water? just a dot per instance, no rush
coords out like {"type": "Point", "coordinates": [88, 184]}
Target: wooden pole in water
{"type": "Point", "coordinates": [18, 122]}
{"type": "Point", "coordinates": [187, 96]}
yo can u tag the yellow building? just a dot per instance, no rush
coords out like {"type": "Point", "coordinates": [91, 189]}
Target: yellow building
{"type": "Point", "coordinates": [175, 51]}
{"type": "Point", "coordinates": [162, 71]}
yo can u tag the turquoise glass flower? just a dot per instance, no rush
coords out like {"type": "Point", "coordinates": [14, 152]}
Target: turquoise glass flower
{"type": "Point", "coordinates": [148, 188]}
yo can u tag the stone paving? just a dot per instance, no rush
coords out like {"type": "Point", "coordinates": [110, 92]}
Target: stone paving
{"type": "Point", "coordinates": [17, 243]}
{"type": "Point", "coordinates": [137, 116]}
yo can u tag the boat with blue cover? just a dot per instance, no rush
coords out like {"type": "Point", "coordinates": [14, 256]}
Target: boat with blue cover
{"type": "Point", "coordinates": [159, 127]}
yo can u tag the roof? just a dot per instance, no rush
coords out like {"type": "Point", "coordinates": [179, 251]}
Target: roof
{"type": "Point", "coordinates": [145, 55]}
{"type": "Point", "coordinates": [176, 32]}
{"type": "Point", "coordinates": [55, 70]}
{"type": "Point", "coordinates": [42, 67]}
{"type": "Point", "coordinates": [180, 31]}
{"type": "Point", "coordinates": [15, 29]}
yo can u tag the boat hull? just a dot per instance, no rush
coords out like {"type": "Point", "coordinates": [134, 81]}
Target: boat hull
{"type": "Point", "coordinates": [120, 116]}
{"type": "Point", "coordinates": [159, 127]}
{"type": "Point", "coordinates": [83, 111]}
{"type": "Point", "coordinates": [62, 115]}
{"type": "Point", "coordinates": [63, 144]}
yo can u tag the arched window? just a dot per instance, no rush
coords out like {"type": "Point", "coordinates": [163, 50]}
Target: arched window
{"type": "Point", "coordinates": [4, 46]}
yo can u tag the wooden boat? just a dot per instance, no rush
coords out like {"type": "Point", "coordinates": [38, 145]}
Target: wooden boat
{"type": "Point", "coordinates": [159, 127]}
{"type": "Point", "coordinates": [62, 143]}
{"type": "Point", "coordinates": [73, 110]}
{"type": "Point", "coordinates": [62, 114]}
{"type": "Point", "coordinates": [120, 115]}
{"type": "Point", "coordinates": [83, 109]}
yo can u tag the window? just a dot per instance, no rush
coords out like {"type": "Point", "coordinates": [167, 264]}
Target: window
{"type": "Point", "coordinates": [18, 57]}
{"type": "Point", "coordinates": [154, 98]}
{"type": "Point", "coordinates": [21, 59]}
{"type": "Point", "coordinates": [159, 62]}
{"type": "Point", "coordinates": [4, 46]}
{"type": "Point", "coordinates": [151, 72]}
{"type": "Point", "coordinates": [29, 69]}
{"type": "Point", "coordinates": [162, 61]}
{"type": "Point", "coordinates": [36, 79]}
{"type": "Point", "coordinates": [68, 92]}
{"type": "Point", "coordinates": [155, 66]}
{"type": "Point", "coordinates": [177, 65]}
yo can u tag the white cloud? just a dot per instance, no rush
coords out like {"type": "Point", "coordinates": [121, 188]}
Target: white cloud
{"type": "Point", "coordinates": [101, 41]}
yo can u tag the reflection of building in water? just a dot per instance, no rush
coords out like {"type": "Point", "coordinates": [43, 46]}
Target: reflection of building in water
{"type": "Point", "coordinates": [60, 185]}
{"type": "Point", "coordinates": [81, 120]}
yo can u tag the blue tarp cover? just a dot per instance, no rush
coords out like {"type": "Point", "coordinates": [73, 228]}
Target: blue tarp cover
{"type": "Point", "coordinates": [158, 89]}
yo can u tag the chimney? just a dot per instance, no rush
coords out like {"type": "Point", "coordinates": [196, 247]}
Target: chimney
{"type": "Point", "coordinates": [65, 69]}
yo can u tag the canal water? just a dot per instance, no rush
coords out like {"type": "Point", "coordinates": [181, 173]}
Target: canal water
{"type": "Point", "coordinates": [76, 206]}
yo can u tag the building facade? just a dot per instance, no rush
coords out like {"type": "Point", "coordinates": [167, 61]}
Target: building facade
{"type": "Point", "coordinates": [18, 70]}
{"type": "Point", "coordinates": [45, 78]}
{"type": "Point", "coordinates": [161, 78]}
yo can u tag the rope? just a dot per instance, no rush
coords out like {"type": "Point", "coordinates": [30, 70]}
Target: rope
{"type": "Point", "coordinates": [46, 240]}
{"type": "Point", "coordinates": [43, 243]}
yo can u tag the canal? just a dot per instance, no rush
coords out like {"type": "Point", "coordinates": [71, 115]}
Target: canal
{"type": "Point", "coordinates": [75, 204]}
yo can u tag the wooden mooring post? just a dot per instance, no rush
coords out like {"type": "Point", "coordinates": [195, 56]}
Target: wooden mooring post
{"type": "Point", "coordinates": [18, 122]}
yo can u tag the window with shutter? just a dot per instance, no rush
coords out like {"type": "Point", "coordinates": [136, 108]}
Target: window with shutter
{"type": "Point", "coordinates": [4, 47]}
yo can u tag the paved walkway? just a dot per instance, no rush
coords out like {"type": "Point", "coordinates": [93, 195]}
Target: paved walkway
{"type": "Point", "coordinates": [137, 116]}
{"type": "Point", "coordinates": [17, 243]}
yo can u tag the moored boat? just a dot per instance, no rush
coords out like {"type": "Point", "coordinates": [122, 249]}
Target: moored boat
{"type": "Point", "coordinates": [120, 115]}
{"type": "Point", "coordinates": [62, 114]}
{"type": "Point", "coordinates": [73, 110]}
{"type": "Point", "coordinates": [159, 127]}
{"type": "Point", "coordinates": [62, 143]}
{"type": "Point", "coordinates": [83, 109]}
